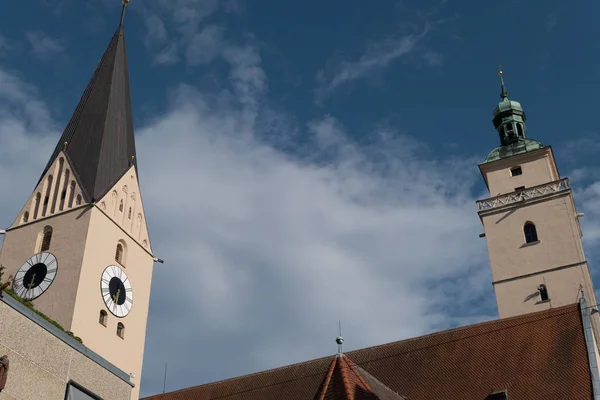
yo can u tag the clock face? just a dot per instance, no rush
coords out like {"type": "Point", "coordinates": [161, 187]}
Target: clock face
{"type": "Point", "coordinates": [35, 276]}
{"type": "Point", "coordinates": [116, 291]}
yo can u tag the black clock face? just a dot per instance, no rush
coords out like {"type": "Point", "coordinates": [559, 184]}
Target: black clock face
{"type": "Point", "coordinates": [35, 276]}
{"type": "Point", "coordinates": [116, 291]}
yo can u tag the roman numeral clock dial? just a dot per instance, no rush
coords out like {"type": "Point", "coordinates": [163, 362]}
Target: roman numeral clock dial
{"type": "Point", "coordinates": [35, 276]}
{"type": "Point", "coordinates": [116, 291]}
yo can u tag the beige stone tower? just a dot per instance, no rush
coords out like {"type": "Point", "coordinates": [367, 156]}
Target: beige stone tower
{"type": "Point", "coordinates": [531, 223]}
{"type": "Point", "coordinates": [79, 248]}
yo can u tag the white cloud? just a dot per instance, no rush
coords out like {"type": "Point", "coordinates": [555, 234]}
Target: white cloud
{"type": "Point", "coordinates": [377, 55]}
{"type": "Point", "coordinates": [44, 46]}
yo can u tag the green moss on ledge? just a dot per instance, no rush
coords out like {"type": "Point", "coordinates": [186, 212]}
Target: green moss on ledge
{"type": "Point", "coordinates": [29, 305]}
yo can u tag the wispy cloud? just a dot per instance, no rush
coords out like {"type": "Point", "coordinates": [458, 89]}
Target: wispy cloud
{"type": "Point", "coordinates": [377, 55]}
{"type": "Point", "coordinates": [204, 45]}
{"type": "Point", "coordinates": [44, 46]}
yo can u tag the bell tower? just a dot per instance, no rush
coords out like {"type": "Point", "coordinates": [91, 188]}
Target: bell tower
{"type": "Point", "coordinates": [530, 221]}
{"type": "Point", "coordinates": [79, 249]}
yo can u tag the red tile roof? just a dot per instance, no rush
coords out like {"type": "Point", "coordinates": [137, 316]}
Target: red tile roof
{"type": "Point", "coordinates": [535, 356]}
{"type": "Point", "coordinates": [344, 380]}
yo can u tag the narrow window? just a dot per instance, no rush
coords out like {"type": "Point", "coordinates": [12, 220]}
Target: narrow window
{"type": "Point", "coordinates": [61, 163]}
{"type": "Point", "coordinates": [543, 292]}
{"type": "Point", "coordinates": [516, 171]}
{"type": "Point", "coordinates": [47, 196]}
{"type": "Point", "coordinates": [47, 238]}
{"type": "Point", "coordinates": [38, 197]}
{"type": "Point", "coordinates": [25, 216]}
{"type": "Point", "coordinates": [520, 130]}
{"type": "Point", "coordinates": [63, 194]}
{"type": "Point", "coordinates": [530, 233]}
{"type": "Point", "coordinates": [103, 317]}
{"type": "Point", "coordinates": [121, 330]}
{"type": "Point", "coordinates": [78, 200]}
{"type": "Point", "coordinates": [129, 213]}
{"type": "Point", "coordinates": [119, 254]}
{"type": "Point", "coordinates": [121, 206]}
{"type": "Point", "coordinates": [72, 194]}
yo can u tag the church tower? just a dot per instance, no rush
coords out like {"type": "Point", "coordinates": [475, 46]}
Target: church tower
{"type": "Point", "coordinates": [531, 223]}
{"type": "Point", "coordinates": [79, 249]}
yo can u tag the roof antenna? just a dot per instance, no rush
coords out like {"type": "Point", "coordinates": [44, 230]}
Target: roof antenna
{"type": "Point", "coordinates": [125, 4]}
{"type": "Point", "coordinates": [165, 379]}
{"type": "Point", "coordinates": [339, 340]}
{"type": "Point", "coordinates": [504, 93]}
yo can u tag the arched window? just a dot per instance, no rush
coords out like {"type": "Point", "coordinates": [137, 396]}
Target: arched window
{"type": "Point", "coordinates": [103, 317]}
{"type": "Point", "coordinates": [530, 232]}
{"type": "Point", "coordinates": [121, 330]}
{"type": "Point", "coordinates": [61, 163]}
{"type": "Point", "coordinates": [543, 292]}
{"type": "Point", "coordinates": [25, 216]}
{"type": "Point", "coordinates": [72, 194]}
{"type": "Point", "coordinates": [38, 197]}
{"type": "Point", "coordinates": [78, 200]}
{"type": "Point", "coordinates": [47, 196]}
{"type": "Point", "coordinates": [520, 130]}
{"type": "Point", "coordinates": [119, 253]}
{"type": "Point", "coordinates": [47, 238]}
{"type": "Point", "coordinates": [121, 206]}
{"type": "Point", "coordinates": [63, 194]}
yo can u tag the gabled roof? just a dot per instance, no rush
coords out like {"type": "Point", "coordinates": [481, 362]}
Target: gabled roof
{"type": "Point", "coordinates": [541, 355]}
{"type": "Point", "coordinates": [345, 380]}
{"type": "Point", "coordinates": [99, 140]}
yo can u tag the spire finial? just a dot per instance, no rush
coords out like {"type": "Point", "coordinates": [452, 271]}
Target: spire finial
{"type": "Point", "coordinates": [125, 4]}
{"type": "Point", "coordinates": [340, 340]}
{"type": "Point", "coordinates": [504, 93]}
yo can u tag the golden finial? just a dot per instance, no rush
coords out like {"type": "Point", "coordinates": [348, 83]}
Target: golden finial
{"type": "Point", "coordinates": [504, 93]}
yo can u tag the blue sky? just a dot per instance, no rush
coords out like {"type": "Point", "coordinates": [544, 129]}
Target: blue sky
{"type": "Point", "coordinates": [325, 156]}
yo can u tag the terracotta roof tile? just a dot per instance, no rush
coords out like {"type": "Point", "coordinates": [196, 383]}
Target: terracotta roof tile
{"type": "Point", "coordinates": [534, 356]}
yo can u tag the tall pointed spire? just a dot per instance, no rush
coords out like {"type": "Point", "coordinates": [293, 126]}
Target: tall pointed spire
{"type": "Point", "coordinates": [98, 140]}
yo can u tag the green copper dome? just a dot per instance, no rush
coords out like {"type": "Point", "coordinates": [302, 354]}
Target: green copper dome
{"type": "Point", "coordinates": [519, 147]}
{"type": "Point", "coordinates": [507, 105]}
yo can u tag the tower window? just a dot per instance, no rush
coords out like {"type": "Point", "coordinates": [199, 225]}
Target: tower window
{"type": "Point", "coordinates": [518, 189]}
{"type": "Point", "coordinates": [36, 209]}
{"type": "Point", "coordinates": [520, 130]}
{"type": "Point", "coordinates": [78, 200]}
{"type": "Point", "coordinates": [71, 193]}
{"type": "Point", "coordinates": [103, 317]}
{"type": "Point", "coordinates": [119, 254]}
{"type": "Point", "coordinates": [121, 330]}
{"type": "Point", "coordinates": [516, 171]}
{"type": "Point", "coordinates": [543, 292]}
{"type": "Point", "coordinates": [121, 206]}
{"type": "Point", "coordinates": [530, 233]}
{"type": "Point", "coordinates": [47, 238]}
{"type": "Point", "coordinates": [25, 216]}
{"type": "Point", "coordinates": [129, 213]}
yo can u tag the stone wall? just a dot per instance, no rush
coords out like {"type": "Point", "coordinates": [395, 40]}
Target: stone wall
{"type": "Point", "coordinates": [44, 359]}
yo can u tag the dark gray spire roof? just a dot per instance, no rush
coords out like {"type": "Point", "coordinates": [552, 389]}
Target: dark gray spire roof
{"type": "Point", "coordinates": [99, 138]}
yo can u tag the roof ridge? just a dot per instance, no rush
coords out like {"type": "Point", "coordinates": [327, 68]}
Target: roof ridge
{"type": "Point", "coordinates": [327, 380]}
